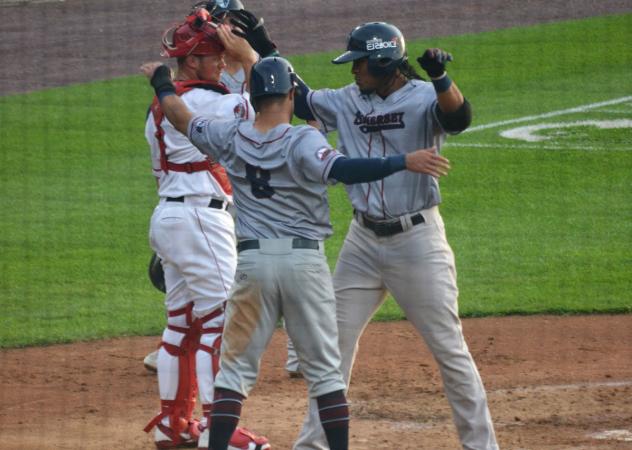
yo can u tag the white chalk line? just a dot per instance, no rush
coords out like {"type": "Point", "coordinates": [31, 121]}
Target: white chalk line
{"type": "Point", "coordinates": [576, 109]}
{"type": "Point", "coordinates": [538, 147]}
{"type": "Point", "coordinates": [416, 425]}
{"type": "Point", "coordinates": [614, 435]}
{"type": "Point", "coordinates": [564, 387]}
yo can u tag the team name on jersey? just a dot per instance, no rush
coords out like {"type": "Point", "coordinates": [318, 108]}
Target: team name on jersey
{"type": "Point", "coordinates": [379, 44]}
{"type": "Point", "coordinates": [369, 124]}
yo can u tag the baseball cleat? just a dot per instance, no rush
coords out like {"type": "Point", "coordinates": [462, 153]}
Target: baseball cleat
{"type": "Point", "coordinates": [151, 361]}
{"type": "Point", "coordinates": [163, 436]}
{"type": "Point", "coordinates": [242, 439]}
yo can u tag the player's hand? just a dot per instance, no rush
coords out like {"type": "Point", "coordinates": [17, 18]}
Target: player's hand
{"type": "Point", "coordinates": [149, 68]}
{"type": "Point", "coordinates": [248, 26]}
{"type": "Point", "coordinates": [433, 61]}
{"type": "Point", "coordinates": [237, 47]}
{"type": "Point", "coordinates": [427, 161]}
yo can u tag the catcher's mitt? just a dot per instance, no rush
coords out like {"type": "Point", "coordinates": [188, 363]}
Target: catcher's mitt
{"type": "Point", "coordinates": [156, 274]}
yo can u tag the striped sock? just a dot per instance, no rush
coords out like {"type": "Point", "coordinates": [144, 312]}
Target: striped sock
{"type": "Point", "coordinates": [333, 410]}
{"type": "Point", "coordinates": [224, 417]}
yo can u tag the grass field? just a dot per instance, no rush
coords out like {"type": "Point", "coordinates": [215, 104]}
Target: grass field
{"type": "Point", "coordinates": [537, 226]}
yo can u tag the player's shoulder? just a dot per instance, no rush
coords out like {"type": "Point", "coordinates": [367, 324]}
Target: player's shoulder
{"type": "Point", "coordinates": [304, 131]}
{"type": "Point", "coordinates": [421, 86]}
{"type": "Point", "coordinates": [306, 138]}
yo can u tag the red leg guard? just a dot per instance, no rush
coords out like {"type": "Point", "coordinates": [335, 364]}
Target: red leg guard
{"type": "Point", "coordinates": [180, 410]}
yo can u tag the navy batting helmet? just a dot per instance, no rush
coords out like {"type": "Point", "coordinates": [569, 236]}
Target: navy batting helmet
{"type": "Point", "coordinates": [219, 8]}
{"type": "Point", "coordinates": [382, 43]}
{"type": "Point", "coordinates": [270, 76]}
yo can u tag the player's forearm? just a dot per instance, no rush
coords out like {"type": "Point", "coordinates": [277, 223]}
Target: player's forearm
{"type": "Point", "coordinates": [364, 170]}
{"type": "Point", "coordinates": [449, 96]}
{"type": "Point", "coordinates": [176, 112]}
{"type": "Point", "coordinates": [453, 110]}
{"type": "Point", "coordinates": [173, 107]}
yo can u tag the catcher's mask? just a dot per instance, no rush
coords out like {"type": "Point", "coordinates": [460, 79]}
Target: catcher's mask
{"type": "Point", "coordinates": [196, 36]}
{"type": "Point", "coordinates": [271, 76]}
{"type": "Point", "coordinates": [382, 43]}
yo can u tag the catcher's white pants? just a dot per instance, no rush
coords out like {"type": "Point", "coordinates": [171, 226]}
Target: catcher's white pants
{"type": "Point", "coordinates": [197, 247]}
{"type": "Point", "coordinates": [417, 268]}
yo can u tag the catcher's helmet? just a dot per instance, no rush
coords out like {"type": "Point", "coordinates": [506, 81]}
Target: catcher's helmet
{"type": "Point", "coordinates": [196, 36]}
{"type": "Point", "coordinates": [382, 43]}
{"type": "Point", "coordinates": [270, 76]}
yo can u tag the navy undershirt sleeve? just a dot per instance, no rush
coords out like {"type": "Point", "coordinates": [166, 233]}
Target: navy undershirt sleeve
{"type": "Point", "coordinates": [363, 170]}
{"type": "Point", "coordinates": [301, 109]}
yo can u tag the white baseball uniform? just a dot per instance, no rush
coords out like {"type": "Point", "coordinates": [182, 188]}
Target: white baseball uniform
{"type": "Point", "coordinates": [193, 235]}
{"type": "Point", "coordinates": [396, 243]}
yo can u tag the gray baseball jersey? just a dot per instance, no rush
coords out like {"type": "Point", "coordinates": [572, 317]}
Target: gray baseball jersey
{"type": "Point", "coordinates": [370, 126]}
{"type": "Point", "coordinates": [279, 188]}
{"type": "Point", "coordinates": [286, 168]}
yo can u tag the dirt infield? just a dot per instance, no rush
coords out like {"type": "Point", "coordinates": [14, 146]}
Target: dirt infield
{"type": "Point", "coordinates": [553, 383]}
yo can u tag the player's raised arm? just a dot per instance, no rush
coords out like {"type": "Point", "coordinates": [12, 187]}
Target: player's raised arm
{"type": "Point", "coordinates": [172, 105]}
{"type": "Point", "coordinates": [238, 48]}
{"type": "Point", "coordinates": [454, 111]}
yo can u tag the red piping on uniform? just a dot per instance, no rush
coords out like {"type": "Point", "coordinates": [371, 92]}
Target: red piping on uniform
{"type": "Point", "coordinates": [368, 192]}
{"type": "Point", "coordinates": [219, 272]}
{"type": "Point", "coordinates": [382, 180]}
{"type": "Point", "coordinates": [258, 144]}
{"type": "Point", "coordinates": [310, 94]}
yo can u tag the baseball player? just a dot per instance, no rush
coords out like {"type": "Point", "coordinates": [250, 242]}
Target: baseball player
{"type": "Point", "coordinates": [193, 235]}
{"type": "Point", "coordinates": [279, 175]}
{"type": "Point", "coordinates": [396, 241]}
{"type": "Point", "coordinates": [234, 78]}
{"type": "Point", "coordinates": [233, 12]}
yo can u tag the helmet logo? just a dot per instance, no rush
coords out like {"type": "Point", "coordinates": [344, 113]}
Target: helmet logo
{"type": "Point", "coordinates": [222, 3]}
{"type": "Point", "coordinates": [379, 44]}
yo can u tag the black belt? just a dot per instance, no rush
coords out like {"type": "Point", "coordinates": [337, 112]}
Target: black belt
{"type": "Point", "coordinates": [253, 244]}
{"type": "Point", "coordinates": [214, 203]}
{"type": "Point", "coordinates": [384, 229]}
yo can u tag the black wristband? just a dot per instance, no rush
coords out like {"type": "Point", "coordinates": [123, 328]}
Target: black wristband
{"type": "Point", "coordinates": [442, 83]}
{"type": "Point", "coordinates": [161, 82]}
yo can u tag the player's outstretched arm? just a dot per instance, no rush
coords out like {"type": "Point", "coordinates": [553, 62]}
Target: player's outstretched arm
{"type": "Point", "coordinates": [364, 170]}
{"type": "Point", "coordinates": [174, 108]}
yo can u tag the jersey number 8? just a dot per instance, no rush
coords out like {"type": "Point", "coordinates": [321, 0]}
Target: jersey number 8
{"type": "Point", "coordinates": [259, 179]}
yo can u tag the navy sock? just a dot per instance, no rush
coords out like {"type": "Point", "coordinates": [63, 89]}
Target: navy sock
{"type": "Point", "coordinates": [333, 410]}
{"type": "Point", "coordinates": [224, 417]}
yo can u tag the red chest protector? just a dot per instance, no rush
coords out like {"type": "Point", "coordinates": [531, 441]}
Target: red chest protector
{"type": "Point", "coordinates": [216, 171]}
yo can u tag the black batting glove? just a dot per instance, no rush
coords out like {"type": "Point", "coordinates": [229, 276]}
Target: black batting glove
{"type": "Point", "coordinates": [252, 29]}
{"type": "Point", "coordinates": [433, 61]}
